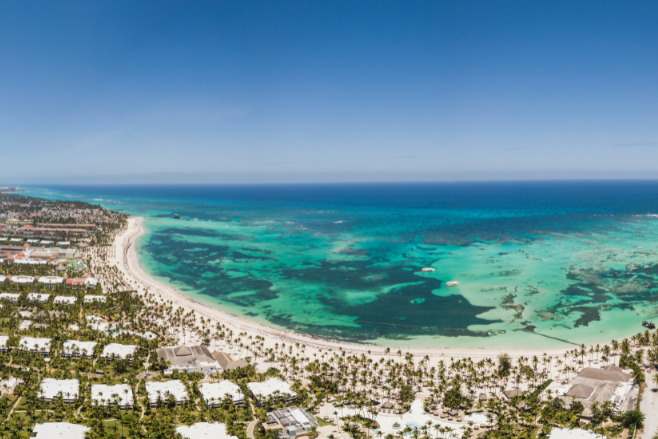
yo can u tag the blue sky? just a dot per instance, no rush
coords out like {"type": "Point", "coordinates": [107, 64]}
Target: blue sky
{"type": "Point", "coordinates": [154, 91]}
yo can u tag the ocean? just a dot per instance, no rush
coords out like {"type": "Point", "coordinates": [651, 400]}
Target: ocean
{"type": "Point", "coordinates": [539, 264]}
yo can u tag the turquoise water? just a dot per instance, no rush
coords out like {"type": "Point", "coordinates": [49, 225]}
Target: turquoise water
{"type": "Point", "coordinates": [538, 265]}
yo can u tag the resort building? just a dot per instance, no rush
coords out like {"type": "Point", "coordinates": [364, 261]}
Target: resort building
{"type": "Point", "coordinates": [22, 279]}
{"type": "Point", "coordinates": [38, 298]}
{"type": "Point", "coordinates": [3, 343]}
{"type": "Point", "coordinates": [227, 362]}
{"type": "Point", "coordinates": [161, 392]}
{"type": "Point", "coordinates": [147, 335]}
{"type": "Point", "coordinates": [119, 351]}
{"type": "Point", "coordinates": [65, 300]}
{"type": "Point", "coordinates": [594, 385]}
{"type": "Point", "coordinates": [10, 297]}
{"type": "Point", "coordinates": [119, 394]}
{"type": "Point", "coordinates": [91, 282]}
{"type": "Point", "coordinates": [95, 298]}
{"type": "Point", "coordinates": [292, 421]}
{"type": "Point", "coordinates": [29, 261]}
{"type": "Point", "coordinates": [51, 280]}
{"type": "Point", "coordinates": [64, 430]}
{"type": "Point", "coordinates": [272, 389]}
{"type": "Point", "coordinates": [78, 282]}
{"type": "Point", "coordinates": [8, 386]}
{"type": "Point", "coordinates": [216, 393]}
{"type": "Point", "coordinates": [189, 359]}
{"type": "Point", "coordinates": [25, 325]}
{"type": "Point", "coordinates": [52, 388]}
{"type": "Point", "coordinates": [204, 430]}
{"type": "Point", "coordinates": [573, 433]}
{"type": "Point", "coordinates": [35, 345]}
{"type": "Point", "coordinates": [78, 349]}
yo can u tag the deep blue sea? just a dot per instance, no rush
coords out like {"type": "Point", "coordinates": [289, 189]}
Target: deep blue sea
{"type": "Point", "coordinates": [538, 263]}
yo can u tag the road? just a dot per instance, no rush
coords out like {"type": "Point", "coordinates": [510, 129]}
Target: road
{"type": "Point", "coordinates": [649, 406]}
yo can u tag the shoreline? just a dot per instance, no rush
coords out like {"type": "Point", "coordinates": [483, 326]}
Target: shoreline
{"type": "Point", "coordinates": [126, 259]}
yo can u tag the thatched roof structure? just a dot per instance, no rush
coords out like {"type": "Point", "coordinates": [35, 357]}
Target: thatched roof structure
{"type": "Point", "coordinates": [511, 393]}
{"type": "Point", "coordinates": [609, 373]}
{"type": "Point", "coordinates": [580, 391]}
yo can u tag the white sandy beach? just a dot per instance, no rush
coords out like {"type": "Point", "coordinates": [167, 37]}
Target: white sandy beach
{"type": "Point", "coordinates": [124, 257]}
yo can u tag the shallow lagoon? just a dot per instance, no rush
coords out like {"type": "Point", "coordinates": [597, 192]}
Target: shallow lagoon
{"type": "Point", "coordinates": [538, 265]}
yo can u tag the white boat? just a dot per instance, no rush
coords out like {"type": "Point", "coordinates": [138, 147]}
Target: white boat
{"type": "Point", "coordinates": [428, 269]}
{"type": "Point", "coordinates": [452, 283]}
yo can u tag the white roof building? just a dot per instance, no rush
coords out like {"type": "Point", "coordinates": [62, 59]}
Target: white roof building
{"type": "Point", "coordinates": [38, 297]}
{"type": "Point", "coordinates": [51, 280]}
{"type": "Point", "coordinates": [272, 388]}
{"type": "Point", "coordinates": [93, 319]}
{"type": "Point", "coordinates": [63, 430]}
{"type": "Point", "coordinates": [2, 277]}
{"type": "Point", "coordinates": [95, 298]}
{"type": "Point", "coordinates": [22, 279]}
{"type": "Point", "coordinates": [25, 325]}
{"type": "Point", "coordinates": [10, 297]}
{"type": "Point", "coordinates": [51, 388]}
{"type": "Point", "coordinates": [46, 242]}
{"type": "Point", "coordinates": [216, 393]}
{"type": "Point", "coordinates": [91, 282]}
{"type": "Point", "coordinates": [204, 430]}
{"type": "Point", "coordinates": [29, 261]}
{"type": "Point", "coordinates": [97, 324]}
{"type": "Point", "coordinates": [117, 350]}
{"type": "Point", "coordinates": [119, 394]}
{"type": "Point", "coordinates": [32, 344]}
{"type": "Point", "coordinates": [3, 342]}
{"type": "Point", "coordinates": [65, 300]}
{"type": "Point", "coordinates": [573, 433]}
{"type": "Point", "coordinates": [101, 327]}
{"type": "Point", "coordinates": [148, 335]}
{"type": "Point", "coordinates": [75, 348]}
{"type": "Point", "coordinates": [160, 391]}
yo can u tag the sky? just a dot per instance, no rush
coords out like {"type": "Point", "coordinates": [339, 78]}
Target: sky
{"type": "Point", "coordinates": [249, 91]}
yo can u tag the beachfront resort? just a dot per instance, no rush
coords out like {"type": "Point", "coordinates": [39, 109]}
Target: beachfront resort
{"type": "Point", "coordinates": [91, 347]}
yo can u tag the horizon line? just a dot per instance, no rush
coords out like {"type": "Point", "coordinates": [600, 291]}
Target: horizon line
{"type": "Point", "coordinates": [326, 183]}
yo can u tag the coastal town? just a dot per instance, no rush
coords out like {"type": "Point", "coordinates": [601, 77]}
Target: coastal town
{"type": "Point", "coordinates": [93, 347]}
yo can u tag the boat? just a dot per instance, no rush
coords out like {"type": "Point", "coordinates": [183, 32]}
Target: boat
{"type": "Point", "coordinates": [428, 269]}
{"type": "Point", "coordinates": [452, 283]}
{"type": "Point", "coordinates": [176, 216]}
